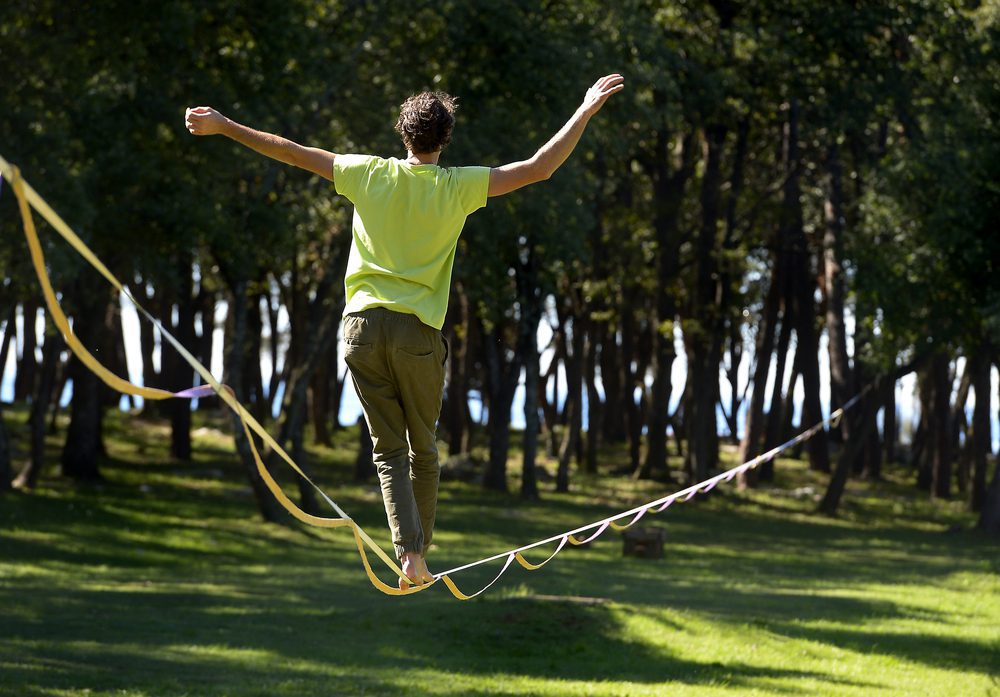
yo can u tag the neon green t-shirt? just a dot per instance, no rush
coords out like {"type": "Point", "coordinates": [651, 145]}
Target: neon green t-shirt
{"type": "Point", "coordinates": [407, 220]}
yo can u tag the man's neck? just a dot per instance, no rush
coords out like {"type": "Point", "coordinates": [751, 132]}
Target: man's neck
{"type": "Point", "coordinates": [422, 158]}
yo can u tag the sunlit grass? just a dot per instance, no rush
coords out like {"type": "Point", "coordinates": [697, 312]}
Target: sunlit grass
{"type": "Point", "coordinates": [162, 581]}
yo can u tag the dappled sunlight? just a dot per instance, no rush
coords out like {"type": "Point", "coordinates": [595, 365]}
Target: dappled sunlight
{"type": "Point", "coordinates": [149, 591]}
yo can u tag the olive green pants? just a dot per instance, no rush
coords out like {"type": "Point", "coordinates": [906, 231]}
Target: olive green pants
{"type": "Point", "coordinates": [397, 367]}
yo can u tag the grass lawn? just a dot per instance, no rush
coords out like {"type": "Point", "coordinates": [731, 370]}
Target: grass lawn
{"type": "Point", "coordinates": [164, 582]}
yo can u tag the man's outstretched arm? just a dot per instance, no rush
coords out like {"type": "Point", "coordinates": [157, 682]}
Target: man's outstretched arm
{"type": "Point", "coordinates": [206, 121]}
{"type": "Point", "coordinates": [550, 156]}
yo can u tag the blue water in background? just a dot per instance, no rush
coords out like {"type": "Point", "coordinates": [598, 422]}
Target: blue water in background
{"type": "Point", "coordinates": [350, 408]}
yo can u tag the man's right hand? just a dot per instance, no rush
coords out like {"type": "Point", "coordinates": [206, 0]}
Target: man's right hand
{"type": "Point", "coordinates": [550, 156]}
{"type": "Point", "coordinates": [602, 89]}
{"type": "Point", "coordinates": [204, 121]}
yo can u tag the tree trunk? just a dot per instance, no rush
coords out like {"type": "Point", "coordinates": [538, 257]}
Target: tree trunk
{"type": "Point", "coordinates": [114, 352]}
{"type": "Point", "coordinates": [981, 442]}
{"type": "Point", "coordinates": [923, 442]}
{"type": "Point", "coordinates": [775, 425]}
{"type": "Point", "coordinates": [841, 383]}
{"type": "Point", "coordinates": [314, 335]}
{"type": "Point", "coordinates": [704, 325]}
{"type": "Point", "coordinates": [630, 380]}
{"type": "Point", "coordinates": [272, 306]}
{"type": "Point", "coordinates": [83, 436]}
{"type": "Point", "coordinates": [595, 409]}
{"type": "Point", "coordinates": [147, 346]}
{"type": "Point", "coordinates": [754, 429]}
{"type": "Point", "coordinates": [941, 459]}
{"type": "Point", "coordinates": [456, 410]}
{"type": "Point", "coordinates": [555, 415]}
{"type": "Point", "coordinates": [890, 426]}
{"type": "Point", "coordinates": [616, 396]}
{"type": "Point", "coordinates": [253, 377]}
{"type": "Point", "coordinates": [863, 414]}
{"type": "Point", "coordinates": [863, 417]}
{"type": "Point", "coordinates": [269, 508]}
{"type": "Point", "coordinates": [801, 288]}
{"type": "Point", "coordinates": [668, 188]}
{"type": "Point", "coordinates": [10, 328]}
{"type": "Point", "coordinates": [529, 478]}
{"type": "Point", "coordinates": [734, 347]}
{"type": "Point", "coordinates": [319, 404]}
{"type": "Point", "coordinates": [733, 326]}
{"type": "Point", "coordinates": [989, 517]}
{"type": "Point", "coordinates": [503, 376]}
{"type": "Point", "coordinates": [205, 304]}
{"type": "Point", "coordinates": [530, 301]}
{"type": "Point", "coordinates": [5, 468]}
{"type": "Point", "coordinates": [181, 375]}
{"type": "Point", "coordinates": [5, 465]}
{"type": "Point", "coordinates": [574, 402]}
{"type": "Point", "coordinates": [959, 427]}
{"type": "Point", "coordinates": [364, 465]}
{"type": "Point", "coordinates": [28, 478]}
{"type": "Point", "coordinates": [27, 365]}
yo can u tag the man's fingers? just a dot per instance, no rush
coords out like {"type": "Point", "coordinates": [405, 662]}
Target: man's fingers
{"type": "Point", "coordinates": [607, 80]}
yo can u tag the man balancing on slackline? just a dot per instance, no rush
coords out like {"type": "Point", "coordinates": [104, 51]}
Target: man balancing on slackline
{"type": "Point", "coordinates": [408, 215]}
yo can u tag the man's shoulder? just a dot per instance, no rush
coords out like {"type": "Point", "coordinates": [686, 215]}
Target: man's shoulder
{"type": "Point", "coordinates": [358, 159]}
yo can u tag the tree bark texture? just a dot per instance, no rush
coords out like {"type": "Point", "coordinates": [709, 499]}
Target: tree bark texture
{"type": "Point", "coordinates": [269, 508]}
{"type": "Point", "coordinates": [531, 314]}
{"type": "Point", "coordinates": [704, 326]}
{"type": "Point", "coordinates": [981, 442]}
{"type": "Point", "coordinates": [364, 464]}
{"type": "Point", "coordinates": [802, 289]}
{"type": "Point", "coordinates": [941, 464]}
{"type": "Point", "coordinates": [989, 517]}
{"type": "Point", "coordinates": [503, 377]}
{"type": "Point", "coordinates": [27, 364]}
{"type": "Point", "coordinates": [28, 478]}
{"type": "Point", "coordinates": [10, 329]}
{"type": "Point", "coordinates": [669, 184]}
{"type": "Point", "coordinates": [319, 320]}
{"type": "Point", "coordinates": [754, 429]}
{"type": "Point", "coordinates": [595, 408]}
{"type": "Point", "coordinates": [456, 417]}
{"type": "Point", "coordinates": [180, 374]}
{"type": "Point", "coordinates": [5, 466]}
{"type": "Point", "coordinates": [83, 436]}
{"type": "Point", "coordinates": [842, 386]}
{"type": "Point", "coordinates": [574, 400]}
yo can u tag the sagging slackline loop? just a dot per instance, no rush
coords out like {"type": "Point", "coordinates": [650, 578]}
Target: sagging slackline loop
{"type": "Point", "coordinates": [27, 199]}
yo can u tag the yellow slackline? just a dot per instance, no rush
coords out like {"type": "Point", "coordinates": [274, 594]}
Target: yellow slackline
{"type": "Point", "coordinates": [27, 199]}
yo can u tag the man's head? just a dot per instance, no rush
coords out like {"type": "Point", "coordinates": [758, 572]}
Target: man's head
{"type": "Point", "coordinates": [425, 121]}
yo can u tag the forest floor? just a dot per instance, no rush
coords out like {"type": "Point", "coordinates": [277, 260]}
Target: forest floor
{"type": "Point", "coordinates": [163, 581]}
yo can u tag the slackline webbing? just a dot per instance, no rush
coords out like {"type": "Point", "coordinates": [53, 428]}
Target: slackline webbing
{"type": "Point", "coordinates": [28, 198]}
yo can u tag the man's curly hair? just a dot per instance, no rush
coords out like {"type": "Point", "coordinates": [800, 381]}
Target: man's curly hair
{"type": "Point", "coordinates": [426, 120]}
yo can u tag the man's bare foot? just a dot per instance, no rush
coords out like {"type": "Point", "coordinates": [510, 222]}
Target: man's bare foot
{"type": "Point", "coordinates": [415, 569]}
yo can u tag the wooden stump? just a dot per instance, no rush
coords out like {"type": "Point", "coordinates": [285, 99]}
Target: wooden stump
{"type": "Point", "coordinates": [646, 543]}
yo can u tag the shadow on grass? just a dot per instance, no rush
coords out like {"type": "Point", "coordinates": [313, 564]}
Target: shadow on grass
{"type": "Point", "coordinates": [941, 652]}
{"type": "Point", "coordinates": [180, 591]}
{"type": "Point", "coordinates": [254, 640]}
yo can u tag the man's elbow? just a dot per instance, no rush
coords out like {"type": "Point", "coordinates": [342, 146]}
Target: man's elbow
{"type": "Point", "coordinates": [540, 172]}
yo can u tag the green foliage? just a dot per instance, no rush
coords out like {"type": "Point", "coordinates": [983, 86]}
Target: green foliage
{"type": "Point", "coordinates": [904, 89]}
{"type": "Point", "coordinates": [935, 203]}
